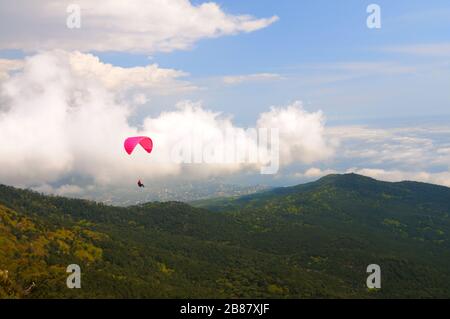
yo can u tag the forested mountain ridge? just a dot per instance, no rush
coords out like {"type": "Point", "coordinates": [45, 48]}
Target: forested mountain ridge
{"type": "Point", "coordinates": [308, 241]}
{"type": "Point", "coordinates": [416, 210]}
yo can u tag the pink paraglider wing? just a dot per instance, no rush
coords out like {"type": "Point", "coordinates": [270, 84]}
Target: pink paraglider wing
{"type": "Point", "coordinates": [144, 141]}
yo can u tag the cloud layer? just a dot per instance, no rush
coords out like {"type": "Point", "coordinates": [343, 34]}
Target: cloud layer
{"type": "Point", "coordinates": [237, 79]}
{"type": "Point", "coordinates": [61, 122]}
{"type": "Point", "coordinates": [113, 25]}
{"type": "Point", "coordinates": [112, 77]}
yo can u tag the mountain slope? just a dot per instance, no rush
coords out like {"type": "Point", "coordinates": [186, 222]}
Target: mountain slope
{"type": "Point", "coordinates": [349, 220]}
{"type": "Point", "coordinates": [154, 250]}
{"type": "Point", "coordinates": [309, 241]}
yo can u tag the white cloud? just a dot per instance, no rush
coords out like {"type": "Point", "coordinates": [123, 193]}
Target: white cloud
{"type": "Point", "coordinates": [441, 178]}
{"type": "Point", "coordinates": [140, 99]}
{"type": "Point", "coordinates": [6, 66]}
{"type": "Point", "coordinates": [405, 147]}
{"type": "Point", "coordinates": [150, 78]}
{"type": "Point", "coordinates": [237, 79]}
{"type": "Point", "coordinates": [59, 122]}
{"type": "Point", "coordinates": [301, 133]}
{"type": "Point", "coordinates": [419, 153]}
{"type": "Point", "coordinates": [367, 68]}
{"type": "Point", "coordinates": [64, 190]}
{"type": "Point", "coordinates": [431, 50]}
{"type": "Point", "coordinates": [315, 172]}
{"type": "Point", "coordinates": [115, 25]}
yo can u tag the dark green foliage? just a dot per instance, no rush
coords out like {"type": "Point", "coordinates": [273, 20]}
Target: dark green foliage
{"type": "Point", "coordinates": [309, 241]}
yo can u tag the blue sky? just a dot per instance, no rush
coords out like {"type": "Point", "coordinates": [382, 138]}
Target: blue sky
{"type": "Point", "coordinates": [309, 38]}
{"type": "Point", "coordinates": [307, 32]}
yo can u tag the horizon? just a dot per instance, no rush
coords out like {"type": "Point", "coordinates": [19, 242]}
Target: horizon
{"type": "Point", "coordinates": [224, 197]}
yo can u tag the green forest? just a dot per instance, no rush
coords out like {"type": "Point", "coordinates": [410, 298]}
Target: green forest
{"type": "Point", "coordinates": [313, 240]}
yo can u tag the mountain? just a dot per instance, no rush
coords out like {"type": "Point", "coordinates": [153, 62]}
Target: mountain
{"type": "Point", "coordinates": [308, 241]}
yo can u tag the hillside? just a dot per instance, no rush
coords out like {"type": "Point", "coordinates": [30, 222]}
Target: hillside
{"type": "Point", "coordinates": [308, 241]}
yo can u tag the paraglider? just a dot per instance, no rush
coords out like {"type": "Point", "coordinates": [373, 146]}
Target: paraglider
{"type": "Point", "coordinates": [131, 143]}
